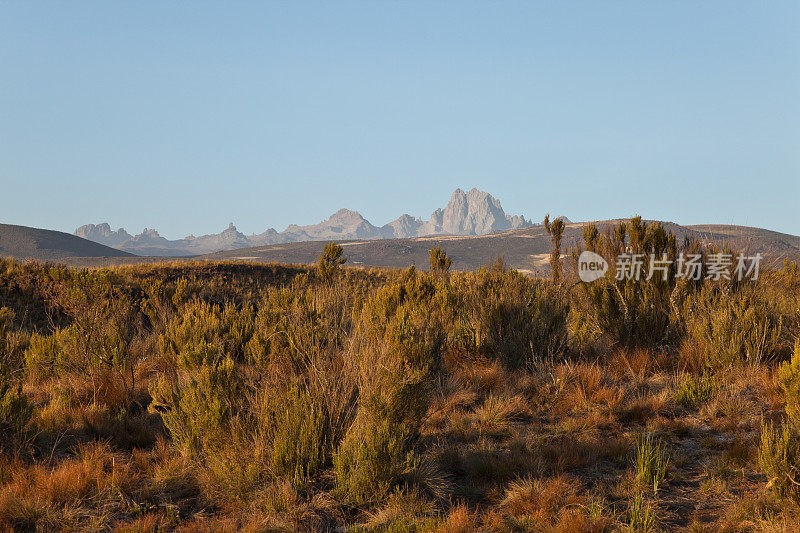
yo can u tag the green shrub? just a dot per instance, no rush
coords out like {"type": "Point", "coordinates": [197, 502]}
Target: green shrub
{"type": "Point", "coordinates": [641, 517]}
{"type": "Point", "coordinates": [629, 312]}
{"type": "Point", "coordinates": [504, 315]}
{"type": "Point", "coordinates": [779, 459]}
{"type": "Point", "coordinates": [295, 324]}
{"type": "Point", "coordinates": [779, 451]}
{"type": "Point", "coordinates": [789, 379]}
{"type": "Point", "coordinates": [399, 344]}
{"type": "Point", "coordinates": [256, 397]}
{"type": "Point", "coordinates": [100, 343]}
{"type": "Point", "coordinates": [440, 263]}
{"type": "Point", "coordinates": [207, 333]}
{"type": "Point", "coordinates": [14, 410]}
{"type": "Point", "coordinates": [197, 406]}
{"type": "Point", "coordinates": [300, 445]}
{"type": "Point", "coordinates": [202, 389]}
{"type": "Point", "coordinates": [652, 461]}
{"type": "Point", "coordinates": [734, 328]}
{"type": "Point", "coordinates": [45, 356]}
{"type": "Point", "coordinates": [556, 230]}
{"type": "Point", "coordinates": [371, 459]}
{"type": "Point", "coordinates": [694, 391]}
{"type": "Point", "coordinates": [329, 262]}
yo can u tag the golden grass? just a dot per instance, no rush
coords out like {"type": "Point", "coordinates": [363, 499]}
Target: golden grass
{"type": "Point", "coordinates": [457, 413]}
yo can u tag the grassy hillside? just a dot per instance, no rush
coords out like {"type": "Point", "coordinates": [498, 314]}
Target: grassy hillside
{"type": "Point", "coordinates": [23, 242]}
{"type": "Point", "coordinates": [227, 396]}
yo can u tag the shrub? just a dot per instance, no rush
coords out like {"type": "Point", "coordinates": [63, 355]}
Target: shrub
{"type": "Point", "coordinates": [652, 460]}
{"type": "Point", "coordinates": [779, 451]}
{"type": "Point", "coordinates": [372, 458]}
{"type": "Point", "coordinates": [201, 387]}
{"type": "Point", "coordinates": [255, 398]}
{"type": "Point", "coordinates": [14, 411]}
{"type": "Point", "coordinates": [695, 391]}
{"type": "Point", "coordinates": [197, 407]}
{"type": "Point", "coordinates": [555, 229]}
{"type": "Point", "coordinates": [206, 334]}
{"type": "Point", "coordinates": [45, 356]}
{"type": "Point", "coordinates": [504, 315]}
{"type": "Point", "coordinates": [440, 263]}
{"type": "Point", "coordinates": [100, 343]}
{"type": "Point", "coordinates": [641, 517]}
{"type": "Point", "coordinates": [376, 449]}
{"type": "Point", "coordinates": [789, 379]}
{"type": "Point", "coordinates": [330, 261]}
{"type": "Point", "coordinates": [630, 312]}
{"type": "Point", "coordinates": [399, 343]}
{"type": "Point", "coordinates": [732, 328]}
{"type": "Point", "coordinates": [294, 324]}
{"type": "Point", "coordinates": [300, 445]}
{"type": "Point", "coordinates": [779, 459]}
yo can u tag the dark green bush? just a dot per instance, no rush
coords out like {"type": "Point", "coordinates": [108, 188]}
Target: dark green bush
{"type": "Point", "coordinates": [505, 315]}
{"type": "Point", "coordinates": [733, 327]}
{"type": "Point", "coordinates": [330, 260]}
{"type": "Point", "coordinates": [399, 344]}
{"type": "Point", "coordinates": [779, 452]}
{"type": "Point", "coordinates": [300, 443]}
{"type": "Point", "coordinates": [629, 312]}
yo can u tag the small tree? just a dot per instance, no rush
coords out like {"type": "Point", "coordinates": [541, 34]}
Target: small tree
{"type": "Point", "coordinates": [555, 229]}
{"type": "Point", "coordinates": [330, 260]}
{"type": "Point", "coordinates": [440, 263]}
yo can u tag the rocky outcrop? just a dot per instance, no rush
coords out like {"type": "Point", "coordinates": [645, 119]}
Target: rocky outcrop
{"type": "Point", "coordinates": [404, 227]}
{"type": "Point", "coordinates": [101, 233]}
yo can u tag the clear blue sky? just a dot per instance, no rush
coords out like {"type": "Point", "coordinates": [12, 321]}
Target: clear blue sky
{"type": "Point", "coordinates": [184, 116]}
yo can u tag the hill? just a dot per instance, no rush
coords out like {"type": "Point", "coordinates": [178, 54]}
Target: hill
{"type": "Point", "coordinates": [23, 242]}
{"type": "Point", "coordinates": [525, 249]}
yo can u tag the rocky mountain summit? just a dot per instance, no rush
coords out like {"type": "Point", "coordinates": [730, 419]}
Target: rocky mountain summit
{"type": "Point", "coordinates": [477, 213]}
{"type": "Point", "coordinates": [467, 213]}
{"type": "Point", "coordinates": [101, 233]}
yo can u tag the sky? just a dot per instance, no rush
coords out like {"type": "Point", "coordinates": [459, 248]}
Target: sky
{"type": "Point", "coordinates": [185, 116]}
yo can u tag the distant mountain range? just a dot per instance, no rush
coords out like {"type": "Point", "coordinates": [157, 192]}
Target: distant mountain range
{"type": "Point", "coordinates": [472, 228]}
{"type": "Point", "coordinates": [468, 213]}
{"type": "Point", "coordinates": [526, 249]}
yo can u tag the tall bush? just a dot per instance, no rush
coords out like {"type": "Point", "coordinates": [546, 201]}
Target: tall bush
{"type": "Point", "coordinates": [399, 343]}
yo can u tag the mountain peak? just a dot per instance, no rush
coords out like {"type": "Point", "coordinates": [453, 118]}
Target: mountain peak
{"type": "Point", "coordinates": [346, 215]}
{"type": "Point", "coordinates": [477, 213]}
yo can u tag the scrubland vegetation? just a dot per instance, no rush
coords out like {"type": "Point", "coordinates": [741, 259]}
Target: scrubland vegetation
{"type": "Point", "coordinates": [232, 396]}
